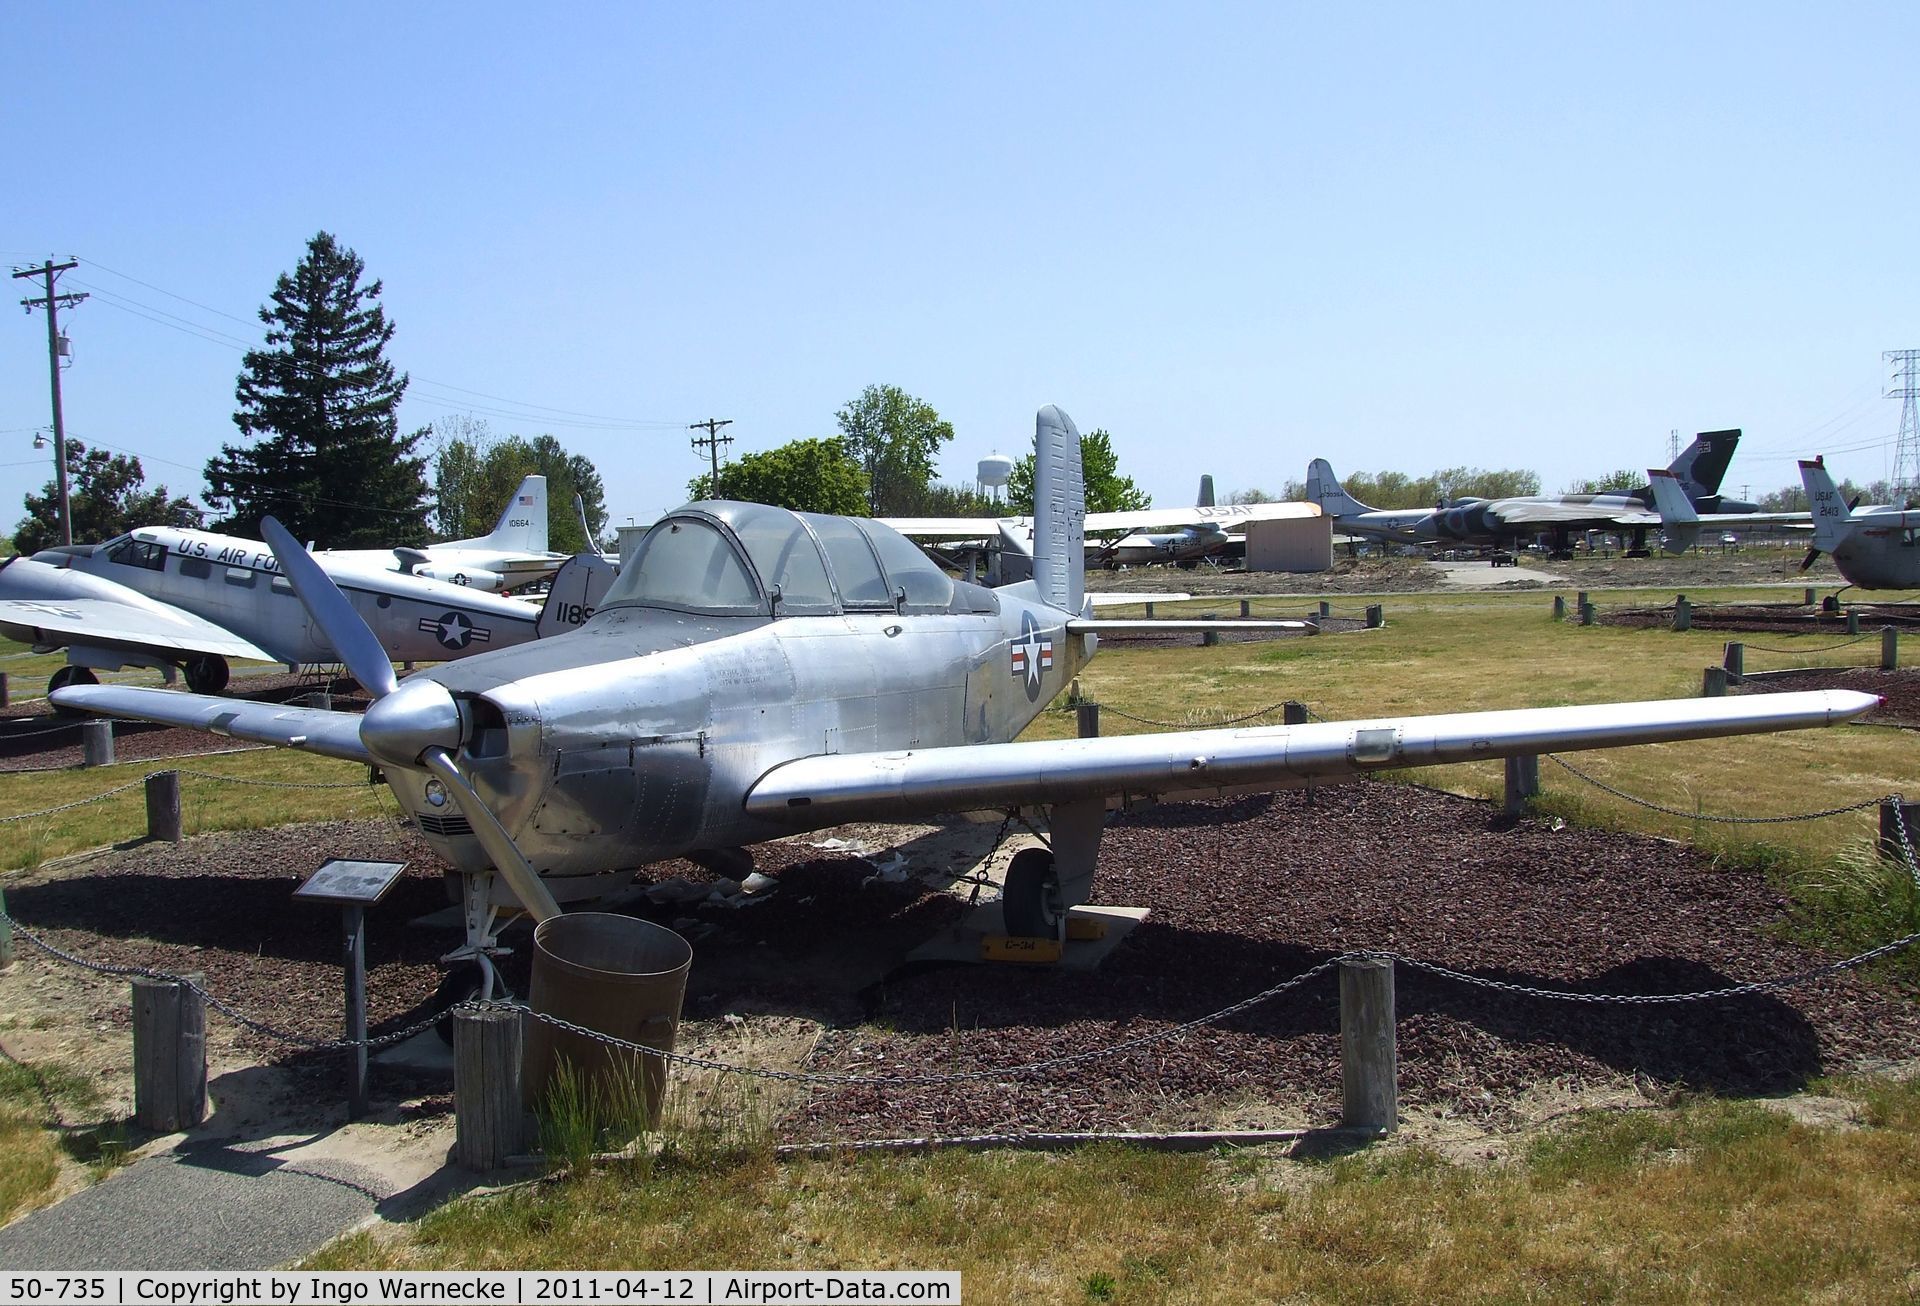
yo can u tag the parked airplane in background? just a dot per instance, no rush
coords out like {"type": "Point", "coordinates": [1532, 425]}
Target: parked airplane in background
{"type": "Point", "coordinates": [757, 672]}
{"type": "Point", "coordinates": [1699, 469]}
{"type": "Point", "coordinates": [189, 600]}
{"type": "Point", "coordinates": [514, 555]}
{"type": "Point", "coordinates": [1876, 549]}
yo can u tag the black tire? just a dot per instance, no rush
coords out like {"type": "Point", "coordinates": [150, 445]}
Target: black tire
{"type": "Point", "coordinates": [206, 674]}
{"type": "Point", "coordinates": [1030, 902]}
{"type": "Point", "coordinates": [70, 675]}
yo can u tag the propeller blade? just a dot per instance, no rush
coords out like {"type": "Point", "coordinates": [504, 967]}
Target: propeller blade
{"type": "Point", "coordinates": [1813, 555]}
{"type": "Point", "coordinates": [349, 635]}
{"type": "Point", "coordinates": [586, 532]}
{"type": "Point", "coordinates": [493, 836]}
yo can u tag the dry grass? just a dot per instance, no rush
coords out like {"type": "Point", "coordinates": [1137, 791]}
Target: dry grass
{"type": "Point", "coordinates": [1719, 1201]}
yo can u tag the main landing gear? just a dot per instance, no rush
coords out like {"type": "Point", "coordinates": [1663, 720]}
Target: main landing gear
{"type": "Point", "coordinates": [70, 675]}
{"type": "Point", "coordinates": [206, 674]}
{"type": "Point", "coordinates": [1043, 883]}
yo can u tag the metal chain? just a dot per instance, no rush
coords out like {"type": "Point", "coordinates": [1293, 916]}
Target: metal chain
{"type": "Point", "coordinates": [1825, 648]}
{"type": "Point", "coordinates": [46, 730]}
{"type": "Point", "coordinates": [81, 802]}
{"type": "Point", "coordinates": [275, 784]}
{"type": "Point", "coordinates": [1223, 721]}
{"type": "Point", "coordinates": [1681, 812]}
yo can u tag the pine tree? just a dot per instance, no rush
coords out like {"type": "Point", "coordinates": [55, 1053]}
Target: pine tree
{"type": "Point", "coordinates": [318, 410]}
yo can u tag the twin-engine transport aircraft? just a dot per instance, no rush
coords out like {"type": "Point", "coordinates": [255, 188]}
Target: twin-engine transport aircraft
{"type": "Point", "coordinates": [1698, 469]}
{"type": "Point", "coordinates": [189, 600]}
{"type": "Point", "coordinates": [513, 556]}
{"type": "Point", "coordinates": [1876, 549]}
{"type": "Point", "coordinates": [757, 672]}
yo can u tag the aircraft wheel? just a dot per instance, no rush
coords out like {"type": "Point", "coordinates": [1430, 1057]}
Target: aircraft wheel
{"type": "Point", "coordinates": [70, 675]}
{"type": "Point", "coordinates": [1030, 903]}
{"type": "Point", "coordinates": [206, 674]}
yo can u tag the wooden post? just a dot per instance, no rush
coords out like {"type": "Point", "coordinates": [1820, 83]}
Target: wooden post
{"type": "Point", "coordinates": [6, 691]}
{"type": "Point", "coordinates": [1209, 638]}
{"type": "Point", "coordinates": [353, 950]}
{"type": "Point", "coordinates": [96, 742]}
{"type": "Point", "coordinates": [163, 806]}
{"type": "Point", "coordinates": [1807, 597]}
{"type": "Point", "coordinates": [1889, 648]}
{"type": "Point", "coordinates": [1853, 621]}
{"type": "Point", "coordinates": [488, 1120]}
{"type": "Point", "coordinates": [1369, 1060]}
{"type": "Point", "coordinates": [1735, 661]}
{"type": "Point", "coordinates": [1149, 611]}
{"type": "Point", "coordinates": [1559, 607]}
{"type": "Point", "coordinates": [6, 933]}
{"type": "Point", "coordinates": [1326, 609]}
{"type": "Point", "coordinates": [1682, 613]}
{"type": "Point", "coordinates": [1889, 842]}
{"type": "Point", "coordinates": [1579, 600]}
{"type": "Point", "coordinates": [1088, 715]}
{"type": "Point", "coordinates": [1586, 613]}
{"type": "Point", "coordinates": [1523, 782]}
{"type": "Point", "coordinates": [1713, 682]}
{"type": "Point", "coordinates": [169, 1056]}
{"type": "Point", "coordinates": [1293, 714]}
{"type": "Point", "coordinates": [1246, 610]}
{"type": "Point", "coordinates": [1376, 616]}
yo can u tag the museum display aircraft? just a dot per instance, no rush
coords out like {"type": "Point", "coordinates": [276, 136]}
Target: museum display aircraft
{"type": "Point", "coordinates": [1874, 548]}
{"type": "Point", "coordinates": [1505, 522]}
{"type": "Point", "coordinates": [512, 556]}
{"type": "Point", "coordinates": [1115, 539]}
{"type": "Point", "coordinates": [757, 672]}
{"type": "Point", "coordinates": [188, 601]}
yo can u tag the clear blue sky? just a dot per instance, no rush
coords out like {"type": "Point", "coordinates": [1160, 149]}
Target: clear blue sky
{"type": "Point", "coordinates": [1236, 237]}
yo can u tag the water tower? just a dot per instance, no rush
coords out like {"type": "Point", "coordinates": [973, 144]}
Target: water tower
{"type": "Point", "coordinates": [995, 469]}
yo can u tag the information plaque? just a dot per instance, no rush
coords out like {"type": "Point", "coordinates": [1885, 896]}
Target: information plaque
{"type": "Point", "coordinates": [348, 883]}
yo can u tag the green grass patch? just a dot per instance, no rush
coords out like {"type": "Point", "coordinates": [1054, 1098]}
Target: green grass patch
{"type": "Point", "coordinates": [37, 1100]}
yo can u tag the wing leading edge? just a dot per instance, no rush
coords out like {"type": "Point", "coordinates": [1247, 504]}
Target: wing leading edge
{"type": "Point", "coordinates": [882, 785]}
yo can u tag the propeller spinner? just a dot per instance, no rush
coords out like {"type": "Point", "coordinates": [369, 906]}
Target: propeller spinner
{"type": "Point", "coordinates": [416, 726]}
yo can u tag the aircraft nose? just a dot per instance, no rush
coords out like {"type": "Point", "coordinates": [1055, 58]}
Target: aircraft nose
{"type": "Point", "coordinates": [418, 715]}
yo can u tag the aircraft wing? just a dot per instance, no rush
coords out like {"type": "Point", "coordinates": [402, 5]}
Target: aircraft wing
{"type": "Point", "coordinates": [105, 623]}
{"type": "Point", "coordinates": [312, 729]}
{"type": "Point", "coordinates": [1226, 516]}
{"type": "Point", "coordinates": [1545, 512]}
{"type": "Point", "coordinates": [883, 786]}
{"type": "Point", "coordinates": [947, 528]}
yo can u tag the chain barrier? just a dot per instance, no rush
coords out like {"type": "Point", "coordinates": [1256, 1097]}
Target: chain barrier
{"type": "Point", "coordinates": [1682, 813]}
{"type": "Point", "coordinates": [1824, 648]}
{"type": "Point", "coordinates": [1191, 724]}
{"type": "Point", "coordinates": [45, 730]}
{"type": "Point", "coordinates": [273, 784]}
{"type": "Point", "coordinates": [81, 802]}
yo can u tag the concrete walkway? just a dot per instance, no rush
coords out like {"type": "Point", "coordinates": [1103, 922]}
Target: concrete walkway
{"type": "Point", "coordinates": [1484, 575]}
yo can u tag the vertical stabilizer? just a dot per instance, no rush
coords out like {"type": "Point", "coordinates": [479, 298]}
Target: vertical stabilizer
{"type": "Point", "coordinates": [1324, 488]}
{"type": "Point", "coordinates": [1829, 510]}
{"type": "Point", "coordinates": [1059, 512]}
{"type": "Point", "coordinates": [522, 527]}
{"type": "Point", "coordinates": [1679, 519]}
{"type": "Point", "coordinates": [1702, 464]}
{"type": "Point", "coordinates": [1206, 492]}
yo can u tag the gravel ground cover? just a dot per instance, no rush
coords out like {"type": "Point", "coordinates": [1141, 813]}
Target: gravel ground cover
{"type": "Point", "coordinates": [1243, 894]}
{"type": "Point", "coordinates": [1776, 618]}
{"type": "Point", "coordinates": [1899, 688]}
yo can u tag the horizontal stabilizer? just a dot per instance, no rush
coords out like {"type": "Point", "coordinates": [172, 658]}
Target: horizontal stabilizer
{"type": "Point", "coordinates": [312, 729]}
{"type": "Point", "coordinates": [1148, 626]}
{"type": "Point", "coordinates": [880, 786]}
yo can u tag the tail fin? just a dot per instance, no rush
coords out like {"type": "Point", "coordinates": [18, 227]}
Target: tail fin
{"type": "Point", "coordinates": [1702, 464]}
{"type": "Point", "coordinates": [1679, 519]}
{"type": "Point", "coordinates": [575, 593]}
{"type": "Point", "coordinates": [1205, 499]}
{"type": "Point", "coordinates": [1830, 511]}
{"type": "Point", "coordinates": [1059, 512]}
{"type": "Point", "coordinates": [1324, 488]}
{"type": "Point", "coordinates": [522, 527]}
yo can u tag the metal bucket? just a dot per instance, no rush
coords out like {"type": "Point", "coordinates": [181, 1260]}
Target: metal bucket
{"type": "Point", "coordinates": [613, 974]}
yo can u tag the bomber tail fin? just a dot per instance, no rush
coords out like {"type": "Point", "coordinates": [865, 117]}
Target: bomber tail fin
{"type": "Point", "coordinates": [1702, 464]}
{"type": "Point", "coordinates": [1059, 512]}
{"type": "Point", "coordinates": [1324, 488]}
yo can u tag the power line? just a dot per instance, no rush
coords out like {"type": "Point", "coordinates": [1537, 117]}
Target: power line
{"type": "Point", "coordinates": [1906, 456]}
{"type": "Point", "coordinates": [712, 440]}
{"type": "Point", "coordinates": [55, 347]}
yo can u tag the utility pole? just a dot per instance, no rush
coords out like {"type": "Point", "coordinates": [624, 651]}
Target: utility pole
{"type": "Point", "coordinates": [1673, 446]}
{"type": "Point", "coordinates": [53, 304]}
{"type": "Point", "coordinates": [1906, 388]}
{"type": "Point", "coordinates": [712, 440]}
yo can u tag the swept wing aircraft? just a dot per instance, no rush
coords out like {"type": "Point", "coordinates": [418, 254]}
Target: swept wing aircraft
{"type": "Point", "coordinates": [1699, 469]}
{"type": "Point", "coordinates": [757, 672]}
{"type": "Point", "coordinates": [513, 555]}
{"type": "Point", "coordinates": [188, 600]}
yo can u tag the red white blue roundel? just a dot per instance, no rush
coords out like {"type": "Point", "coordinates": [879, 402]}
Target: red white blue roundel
{"type": "Point", "coordinates": [1032, 655]}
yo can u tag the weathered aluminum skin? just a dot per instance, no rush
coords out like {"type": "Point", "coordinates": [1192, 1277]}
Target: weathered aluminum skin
{"type": "Point", "coordinates": [635, 738]}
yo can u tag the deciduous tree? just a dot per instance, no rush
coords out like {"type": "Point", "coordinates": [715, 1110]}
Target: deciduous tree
{"type": "Point", "coordinates": [896, 439]}
{"type": "Point", "coordinates": [1107, 489]}
{"type": "Point", "coordinates": [805, 475]}
{"type": "Point", "coordinates": [108, 495]}
{"type": "Point", "coordinates": [474, 474]}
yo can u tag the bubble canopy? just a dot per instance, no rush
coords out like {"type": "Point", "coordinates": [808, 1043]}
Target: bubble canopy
{"type": "Point", "coordinates": [749, 559]}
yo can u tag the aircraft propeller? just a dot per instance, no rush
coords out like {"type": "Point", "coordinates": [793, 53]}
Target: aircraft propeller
{"type": "Point", "coordinates": [1813, 553]}
{"type": "Point", "coordinates": [415, 726]}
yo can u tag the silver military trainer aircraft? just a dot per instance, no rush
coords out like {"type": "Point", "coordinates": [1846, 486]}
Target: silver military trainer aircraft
{"type": "Point", "coordinates": [757, 672]}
